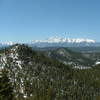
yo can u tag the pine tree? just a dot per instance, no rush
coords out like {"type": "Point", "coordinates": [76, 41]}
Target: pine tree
{"type": "Point", "coordinates": [6, 91]}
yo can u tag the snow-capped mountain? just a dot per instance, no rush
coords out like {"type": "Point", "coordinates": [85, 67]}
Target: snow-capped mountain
{"type": "Point", "coordinates": [57, 42]}
{"type": "Point", "coordinates": [5, 44]}
{"type": "Point", "coordinates": [63, 42]}
{"type": "Point", "coordinates": [67, 40]}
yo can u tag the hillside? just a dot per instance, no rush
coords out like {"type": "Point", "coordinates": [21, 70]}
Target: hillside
{"type": "Point", "coordinates": [30, 70]}
{"type": "Point", "coordinates": [71, 57]}
{"type": "Point", "coordinates": [34, 76]}
{"type": "Point", "coordinates": [87, 49]}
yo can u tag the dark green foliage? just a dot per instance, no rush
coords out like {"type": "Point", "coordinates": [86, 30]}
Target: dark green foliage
{"type": "Point", "coordinates": [43, 78]}
{"type": "Point", "coordinates": [6, 90]}
{"type": "Point", "coordinates": [66, 55]}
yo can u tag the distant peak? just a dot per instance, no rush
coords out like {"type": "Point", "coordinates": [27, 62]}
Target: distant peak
{"type": "Point", "coordinates": [7, 43]}
{"type": "Point", "coordinates": [56, 39]}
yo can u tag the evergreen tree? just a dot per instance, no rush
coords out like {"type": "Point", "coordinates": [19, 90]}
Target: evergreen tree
{"type": "Point", "coordinates": [6, 91]}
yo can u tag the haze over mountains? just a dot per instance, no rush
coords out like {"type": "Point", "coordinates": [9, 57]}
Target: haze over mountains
{"type": "Point", "coordinates": [58, 42]}
{"type": "Point", "coordinates": [81, 53]}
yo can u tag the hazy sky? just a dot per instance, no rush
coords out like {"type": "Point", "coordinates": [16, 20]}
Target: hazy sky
{"type": "Point", "coordinates": [26, 20]}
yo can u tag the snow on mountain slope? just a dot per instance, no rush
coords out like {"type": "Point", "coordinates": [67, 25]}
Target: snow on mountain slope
{"type": "Point", "coordinates": [64, 40]}
{"type": "Point", "coordinates": [11, 60]}
{"type": "Point", "coordinates": [56, 41]}
{"type": "Point", "coordinates": [13, 55]}
{"type": "Point", "coordinates": [5, 44]}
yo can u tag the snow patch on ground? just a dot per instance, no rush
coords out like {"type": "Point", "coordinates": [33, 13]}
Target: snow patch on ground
{"type": "Point", "coordinates": [97, 63]}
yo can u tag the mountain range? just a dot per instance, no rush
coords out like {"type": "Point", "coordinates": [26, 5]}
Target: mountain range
{"type": "Point", "coordinates": [63, 42]}
{"type": "Point", "coordinates": [58, 42]}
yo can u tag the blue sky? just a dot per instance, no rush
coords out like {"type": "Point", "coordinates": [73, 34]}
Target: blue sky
{"type": "Point", "coordinates": [26, 20]}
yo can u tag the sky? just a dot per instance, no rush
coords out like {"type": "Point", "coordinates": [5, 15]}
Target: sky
{"type": "Point", "coordinates": [27, 20]}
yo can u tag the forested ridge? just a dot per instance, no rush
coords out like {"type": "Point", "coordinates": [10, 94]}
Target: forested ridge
{"type": "Point", "coordinates": [26, 74]}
